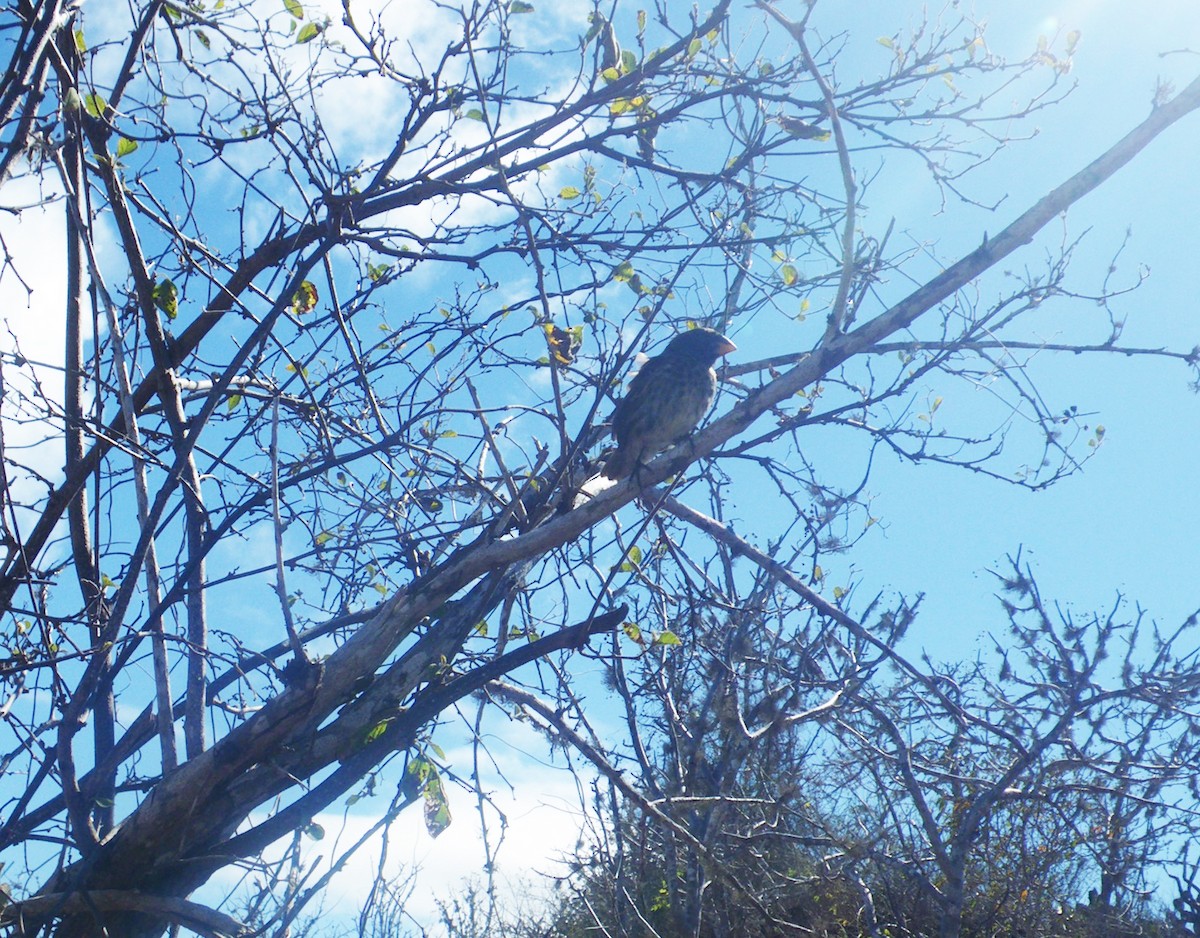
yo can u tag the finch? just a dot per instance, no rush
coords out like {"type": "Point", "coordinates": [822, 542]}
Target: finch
{"type": "Point", "coordinates": [666, 399]}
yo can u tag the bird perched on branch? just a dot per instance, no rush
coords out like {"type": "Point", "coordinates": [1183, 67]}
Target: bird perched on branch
{"type": "Point", "coordinates": [666, 399]}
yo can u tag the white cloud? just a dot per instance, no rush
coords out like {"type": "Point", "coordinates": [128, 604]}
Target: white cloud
{"type": "Point", "coordinates": [32, 336]}
{"type": "Point", "coordinates": [542, 819]}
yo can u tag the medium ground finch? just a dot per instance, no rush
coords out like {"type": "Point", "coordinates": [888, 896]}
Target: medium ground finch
{"type": "Point", "coordinates": [666, 399]}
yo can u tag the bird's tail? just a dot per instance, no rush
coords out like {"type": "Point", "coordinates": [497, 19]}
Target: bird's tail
{"type": "Point", "coordinates": [620, 465]}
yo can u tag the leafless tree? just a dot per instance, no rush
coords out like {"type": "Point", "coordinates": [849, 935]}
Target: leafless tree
{"type": "Point", "coordinates": [345, 307]}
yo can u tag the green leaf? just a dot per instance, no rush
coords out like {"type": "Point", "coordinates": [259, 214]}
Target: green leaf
{"type": "Point", "coordinates": [628, 61]}
{"type": "Point", "coordinates": [667, 637]}
{"type": "Point", "coordinates": [233, 402]}
{"type": "Point", "coordinates": [294, 7]}
{"type": "Point", "coordinates": [520, 6]}
{"type": "Point", "coordinates": [569, 192]}
{"type": "Point", "coordinates": [166, 298]}
{"type": "Point", "coordinates": [802, 129]}
{"type": "Point", "coordinates": [789, 275]}
{"type": "Point", "coordinates": [641, 21]}
{"type": "Point", "coordinates": [95, 105]}
{"type": "Point", "coordinates": [71, 101]}
{"type": "Point", "coordinates": [610, 74]}
{"type": "Point", "coordinates": [203, 38]}
{"type": "Point", "coordinates": [308, 32]}
{"type": "Point", "coordinates": [80, 42]}
{"type": "Point", "coordinates": [324, 538]}
{"type": "Point", "coordinates": [694, 47]}
{"type": "Point", "coordinates": [474, 114]}
{"type": "Point", "coordinates": [315, 830]}
{"type": "Point", "coordinates": [125, 146]}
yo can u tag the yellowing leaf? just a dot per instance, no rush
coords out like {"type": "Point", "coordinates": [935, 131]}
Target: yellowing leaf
{"type": "Point", "coordinates": [437, 808]}
{"type": "Point", "coordinates": [569, 192]}
{"type": "Point", "coordinates": [788, 274]}
{"type": "Point", "coordinates": [166, 298]}
{"type": "Point", "coordinates": [304, 300]}
{"type": "Point", "coordinates": [125, 146]}
{"type": "Point", "coordinates": [563, 343]}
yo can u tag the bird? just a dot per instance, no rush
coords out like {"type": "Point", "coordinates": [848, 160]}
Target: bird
{"type": "Point", "coordinates": [666, 399]}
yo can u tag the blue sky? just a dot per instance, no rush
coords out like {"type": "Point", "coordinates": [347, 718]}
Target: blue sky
{"type": "Point", "coordinates": [1127, 523]}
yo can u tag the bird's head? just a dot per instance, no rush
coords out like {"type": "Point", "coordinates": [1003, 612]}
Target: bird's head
{"type": "Point", "coordinates": [705, 345]}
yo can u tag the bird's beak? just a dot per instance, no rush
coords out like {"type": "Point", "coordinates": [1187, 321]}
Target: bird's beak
{"type": "Point", "coordinates": [726, 346]}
